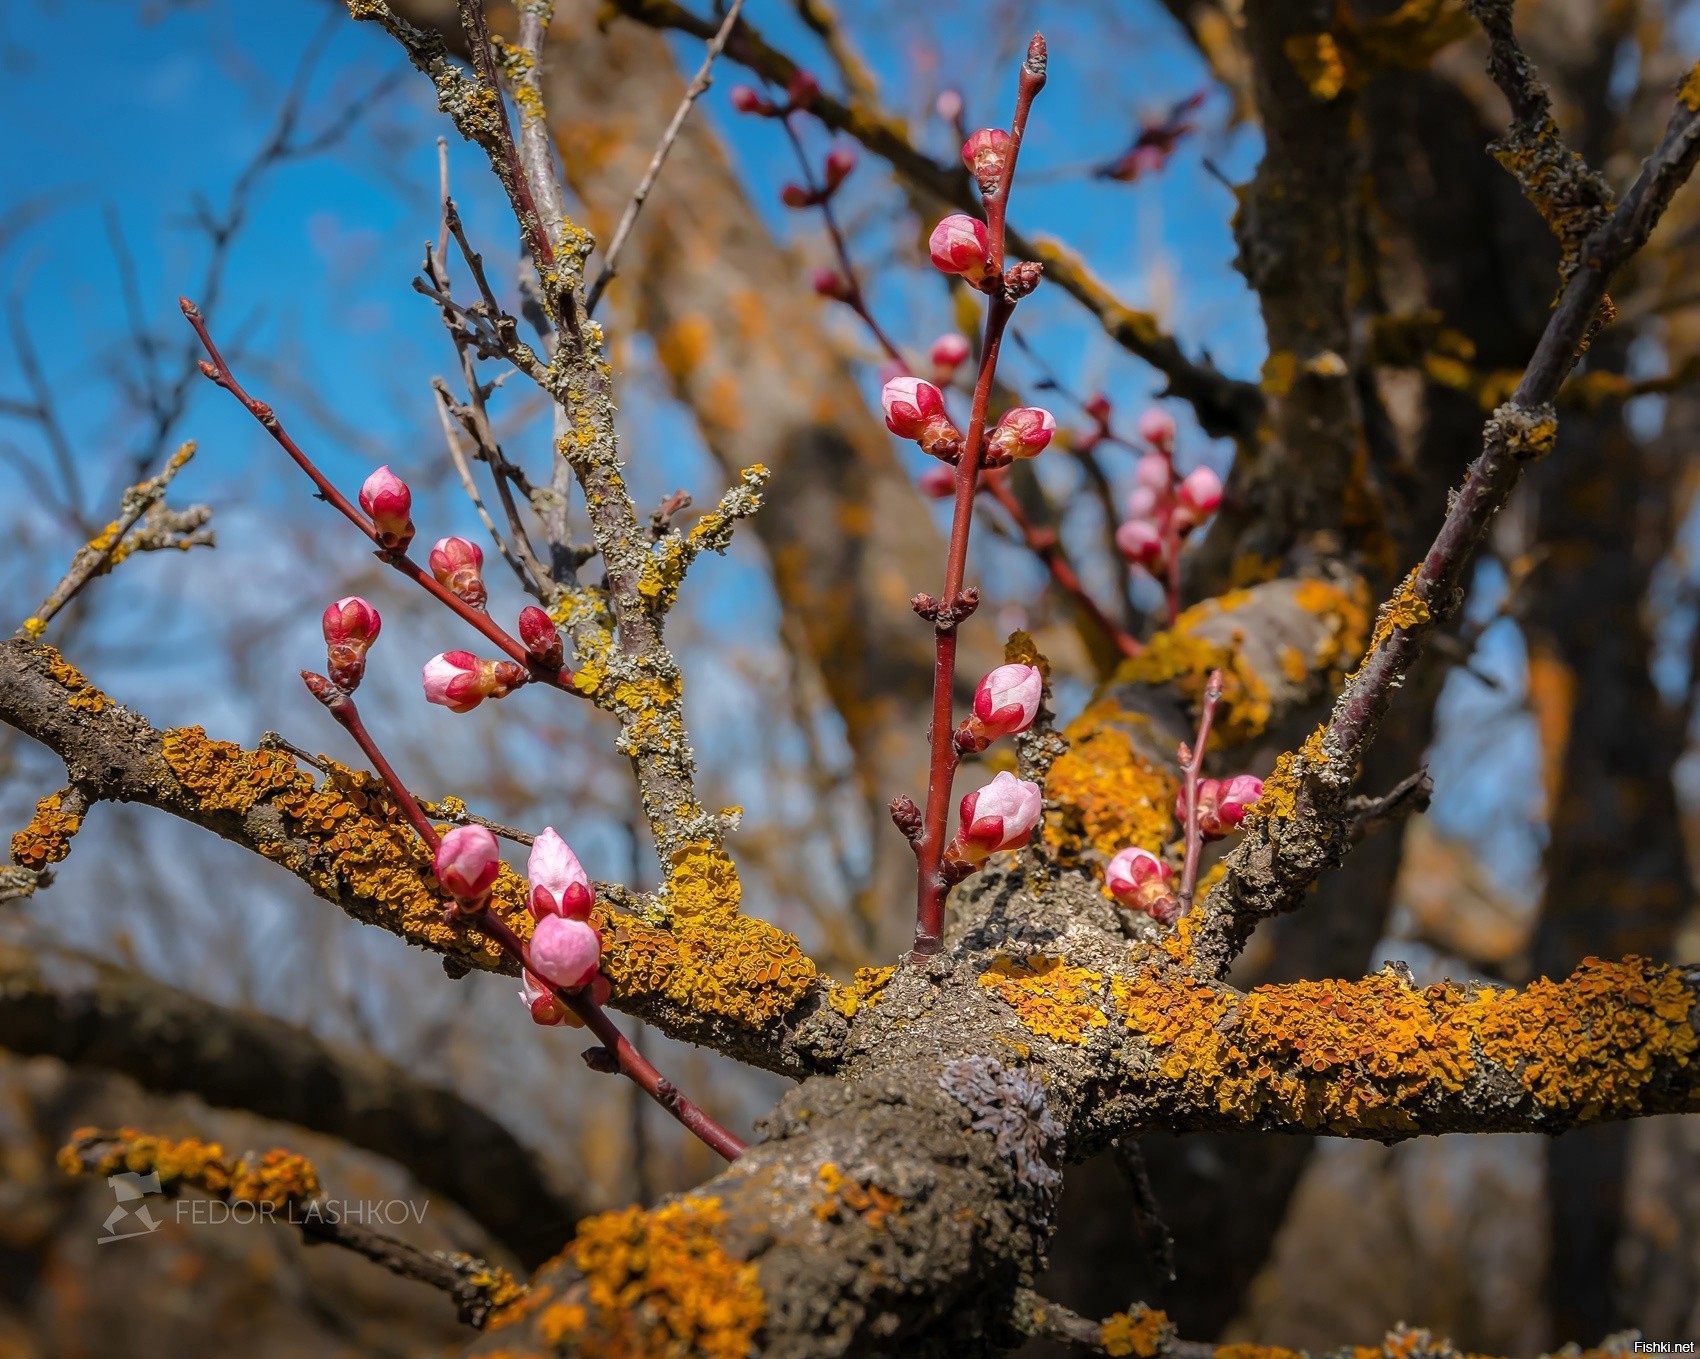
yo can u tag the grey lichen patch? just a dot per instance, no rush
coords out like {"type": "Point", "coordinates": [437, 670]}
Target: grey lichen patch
{"type": "Point", "coordinates": [1011, 1105]}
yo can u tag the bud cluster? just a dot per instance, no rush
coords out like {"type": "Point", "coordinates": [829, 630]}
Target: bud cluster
{"type": "Point", "coordinates": [1164, 509]}
{"type": "Point", "coordinates": [565, 949]}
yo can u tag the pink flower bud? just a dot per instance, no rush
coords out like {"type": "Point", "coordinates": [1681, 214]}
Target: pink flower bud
{"type": "Point", "coordinates": [1144, 503]}
{"type": "Point", "coordinates": [1141, 542]}
{"type": "Point", "coordinates": [802, 90]}
{"type": "Point", "coordinates": [1157, 428]}
{"type": "Point", "coordinates": [1005, 703]}
{"type": "Point", "coordinates": [540, 1000]}
{"type": "Point", "coordinates": [1222, 804]}
{"type": "Point", "coordinates": [948, 105]}
{"type": "Point", "coordinates": [999, 816]}
{"type": "Point", "coordinates": [559, 884]}
{"type": "Point", "coordinates": [1022, 433]}
{"type": "Point", "coordinates": [747, 100]}
{"type": "Point", "coordinates": [915, 410]}
{"type": "Point", "coordinates": [460, 681]}
{"type": "Point", "coordinates": [839, 163]}
{"type": "Point", "coordinates": [541, 637]}
{"type": "Point", "coordinates": [938, 483]}
{"type": "Point", "coordinates": [1199, 495]}
{"type": "Point", "coordinates": [986, 154]}
{"type": "Point", "coordinates": [351, 626]}
{"type": "Point", "coordinates": [387, 500]}
{"type": "Point", "coordinates": [565, 952]}
{"type": "Point", "coordinates": [1098, 408]}
{"type": "Point", "coordinates": [1140, 880]}
{"type": "Point", "coordinates": [468, 860]}
{"type": "Point", "coordinates": [1155, 472]}
{"type": "Point", "coordinates": [831, 283]}
{"type": "Point", "coordinates": [949, 352]}
{"type": "Point", "coordinates": [961, 245]}
{"type": "Point", "coordinates": [796, 196]}
{"type": "Point", "coordinates": [458, 566]}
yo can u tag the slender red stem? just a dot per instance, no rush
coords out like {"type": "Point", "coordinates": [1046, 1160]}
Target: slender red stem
{"type": "Point", "coordinates": [1044, 545]}
{"type": "Point", "coordinates": [219, 372]}
{"type": "Point", "coordinates": [632, 1064]}
{"type": "Point", "coordinates": [930, 884]}
{"type": "Point", "coordinates": [1192, 764]}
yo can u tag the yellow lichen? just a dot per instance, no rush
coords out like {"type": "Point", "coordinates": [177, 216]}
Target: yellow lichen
{"type": "Point", "coordinates": [1689, 91]}
{"type": "Point", "coordinates": [702, 880]}
{"type": "Point", "coordinates": [47, 838]}
{"type": "Point", "coordinates": [1107, 793]}
{"type": "Point", "coordinates": [1366, 1055]}
{"type": "Point", "coordinates": [658, 1282]}
{"type": "Point", "coordinates": [1140, 1331]}
{"type": "Point", "coordinates": [864, 989]}
{"type": "Point", "coordinates": [1180, 658]}
{"type": "Point", "coordinates": [1050, 997]}
{"type": "Point", "coordinates": [275, 1178]}
{"type": "Point", "coordinates": [841, 1193]}
{"type": "Point", "coordinates": [84, 696]}
{"type": "Point", "coordinates": [1405, 610]}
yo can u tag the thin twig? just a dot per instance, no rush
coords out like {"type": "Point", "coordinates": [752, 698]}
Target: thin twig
{"type": "Point", "coordinates": [694, 91]}
{"type": "Point", "coordinates": [1191, 762]}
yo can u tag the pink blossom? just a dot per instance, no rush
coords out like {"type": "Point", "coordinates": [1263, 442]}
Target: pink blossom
{"type": "Point", "coordinates": [458, 566]}
{"type": "Point", "coordinates": [350, 626]}
{"type": "Point", "coordinates": [1141, 542]}
{"type": "Point", "coordinates": [1005, 703]}
{"type": "Point", "coordinates": [1222, 804]}
{"type": "Point", "coordinates": [460, 681]}
{"type": "Point", "coordinates": [540, 1000]}
{"type": "Point", "coordinates": [938, 483]}
{"type": "Point", "coordinates": [1145, 503]}
{"type": "Point", "coordinates": [1001, 815]}
{"type": "Point", "coordinates": [565, 952]}
{"type": "Point", "coordinates": [948, 105]}
{"type": "Point", "coordinates": [1157, 428]}
{"type": "Point", "coordinates": [1022, 433]}
{"type": "Point", "coordinates": [385, 497]}
{"type": "Point", "coordinates": [1199, 495]}
{"type": "Point", "coordinates": [467, 862]}
{"type": "Point", "coordinates": [559, 884]}
{"type": "Point", "coordinates": [961, 245]}
{"type": "Point", "coordinates": [541, 637]}
{"type": "Point", "coordinates": [839, 163]}
{"type": "Point", "coordinates": [1098, 408]}
{"type": "Point", "coordinates": [949, 352]}
{"type": "Point", "coordinates": [986, 154]}
{"type": "Point", "coordinates": [914, 409]}
{"type": "Point", "coordinates": [1139, 879]}
{"type": "Point", "coordinates": [1155, 472]}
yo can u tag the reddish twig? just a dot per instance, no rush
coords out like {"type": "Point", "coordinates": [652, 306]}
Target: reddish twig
{"type": "Point", "coordinates": [955, 604]}
{"type": "Point", "coordinates": [630, 1063]}
{"type": "Point", "coordinates": [477, 29]}
{"type": "Point", "coordinates": [219, 372]}
{"type": "Point", "coordinates": [1043, 544]}
{"type": "Point", "coordinates": [1191, 762]}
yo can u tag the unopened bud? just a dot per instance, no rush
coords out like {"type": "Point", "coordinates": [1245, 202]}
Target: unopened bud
{"type": "Point", "coordinates": [949, 352]}
{"type": "Point", "coordinates": [915, 410]}
{"type": "Point", "coordinates": [961, 245]}
{"type": "Point", "coordinates": [1141, 881]}
{"type": "Point", "coordinates": [460, 681]}
{"type": "Point", "coordinates": [540, 1000]}
{"type": "Point", "coordinates": [1140, 542]}
{"type": "Point", "coordinates": [350, 626]}
{"type": "Point", "coordinates": [458, 565]}
{"type": "Point", "coordinates": [747, 100]}
{"type": "Point", "coordinates": [541, 637]}
{"type": "Point", "coordinates": [1199, 495]}
{"type": "Point", "coordinates": [906, 816]}
{"type": "Point", "coordinates": [802, 90]}
{"type": "Point", "coordinates": [1098, 408]}
{"type": "Point", "coordinates": [839, 163]}
{"type": "Point", "coordinates": [986, 154]}
{"type": "Point", "coordinates": [558, 883]}
{"type": "Point", "coordinates": [564, 951]}
{"type": "Point", "coordinates": [467, 862]}
{"type": "Point", "coordinates": [831, 283]}
{"type": "Point", "coordinates": [1022, 433]}
{"type": "Point", "coordinates": [1222, 804]}
{"type": "Point", "coordinates": [937, 483]}
{"type": "Point", "coordinates": [1157, 428]}
{"type": "Point", "coordinates": [1006, 702]}
{"type": "Point", "coordinates": [796, 196]}
{"type": "Point", "coordinates": [948, 105]}
{"type": "Point", "coordinates": [385, 497]}
{"type": "Point", "coordinates": [999, 816]}
{"type": "Point", "coordinates": [1021, 279]}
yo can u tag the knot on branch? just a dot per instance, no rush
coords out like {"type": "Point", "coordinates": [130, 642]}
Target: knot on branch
{"type": "Point", "coordinates": [1011, 1106]}
{"type": "Point", "coordinates": [1528, 434]}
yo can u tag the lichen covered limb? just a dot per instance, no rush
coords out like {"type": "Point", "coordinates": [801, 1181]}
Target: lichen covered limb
{"type": "Point", "coordinates": [275, 1179]}
{"type": "Point", "coordinates": [699, 970]}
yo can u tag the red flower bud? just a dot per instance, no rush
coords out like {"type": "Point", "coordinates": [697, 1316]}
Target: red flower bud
{"type": "Point", "coordinates": [949, 352]}
{"type": "Point", "coordinates": [746, 100]}
{"type": "Point", "coordinates": [458, 566]}
{"type": "Point", "coordinates": [831, 283]}
{"type": "Point", "coordinates": [802, 90]}
{"type": "Point", "coordinates": [839, 163]}
{"type": "Point", "coordinates": [467, 862]}
{"type": "Point", "coordinates": [796, 196]}
{"type": "Point", "coordinates": [1199, 495]}
{"type": "Point", "coordinates": [1141, 542]}
{"type": "Point", "coordinates": [387, 500]}
{"type": "Point", "coordinates": [1006, 702]}
{"type": "Point", "coordinates": [961, 245]}
{"type": "Point", "coordinates": [460, 681]}
{"type": "Point", "coordinates": [986, 154]}
{"type": "Point", "coordinates": [915, 410]}
{"type": "Point", "coordinates": [999, 816]}
{"type": "Point", "coordinates": [1157, 428]}
{"type": "Point", "coordinates": [1138, 879]}
{"type": "Point", "coordinates": [938, 483]}
{"type": "Point", "coordinates": [1222, 804]}
{"type": "Point", "coordinates": [1022, 433]}
{"type": "Point", "coordinates": [350, 626]}
{"type": "Point", "coordinates": [541, 637]}
{"type": "Point", "coordinates": [1098, 408]}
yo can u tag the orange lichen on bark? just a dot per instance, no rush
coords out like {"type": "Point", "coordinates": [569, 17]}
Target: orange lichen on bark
{"type": "Point", "coordinates": [656, 1282]}
{"type": "Point", "coordinates": [47, 838]}
{"type": "Point", "coordinates": [841, 1193]}
{"type": "Point", "coordinates": [1106, 793]}
{"type": "Point", "coordinates": [1371, 1055]}
{"type": "Point", "coordinates": [275, 1178]}
{"type": "Point", "coordinates": [864, 989]}
{"type": "Point", "coordinates": [84, 696]}
{"type": "Point", "coordinates": [1050, 997]}
{"type": "Point", "coordinates": [1405, 610]}
{"type": "Point", "coordinates": [1180, 658]}
{"type": "Point", "coordinates": [708, 958]}
{"type": "Point", "coordinates": [1140, 1331]}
